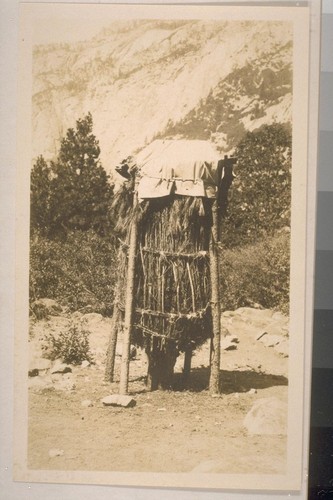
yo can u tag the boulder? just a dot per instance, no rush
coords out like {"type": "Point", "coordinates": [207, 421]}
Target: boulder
{"type": "Point", "coordinates": [43, 308]}
{"type": "Point", "coordinates": [267, 416]}
{"type": "Point", "coordinates": [256, 317]}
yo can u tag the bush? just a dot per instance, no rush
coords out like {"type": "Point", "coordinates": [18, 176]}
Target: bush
{"type": "Point", "coordinates": [257, 273]}
{"type": "Point", "coordinates": [79, 272]}
{"type": "Point", "coordinates": [72, 345]}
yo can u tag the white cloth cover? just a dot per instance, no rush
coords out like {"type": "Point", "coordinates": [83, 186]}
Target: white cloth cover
{"type": "Point", "coordinates": [184, 167]}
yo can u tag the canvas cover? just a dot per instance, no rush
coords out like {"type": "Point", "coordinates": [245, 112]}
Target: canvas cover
{"type": "Point", "coordinates": [178, 166]}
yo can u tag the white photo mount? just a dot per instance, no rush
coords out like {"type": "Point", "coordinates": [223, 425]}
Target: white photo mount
{"type": "Point", "coordinates": [304, 18]}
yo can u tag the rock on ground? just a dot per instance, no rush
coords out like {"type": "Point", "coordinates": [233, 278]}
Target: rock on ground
{"type": "Point", "coordinates": [267, 416]}
{"type": "Point", "coordinates": [264, 325]}
{"type": "Point", "coordinates": [118, 400]}
{"type": "Point", "coordinates": [60, 367]}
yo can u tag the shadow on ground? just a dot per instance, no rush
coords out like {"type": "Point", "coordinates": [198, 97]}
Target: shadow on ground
{"type": "Point", "coordinates": [230, 381]}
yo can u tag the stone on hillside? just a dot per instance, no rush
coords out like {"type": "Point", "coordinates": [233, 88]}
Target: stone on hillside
{"type": "Point", "coordinates": [60, 367]}
{"type": "Point", "coordinates": [43, 308]}
{"type": "Point", "coordinates": [33, 373]}
{"type": "Point", "coordinates": [118, 400]}
{"type": "Point", "coordinates": [267, 416]}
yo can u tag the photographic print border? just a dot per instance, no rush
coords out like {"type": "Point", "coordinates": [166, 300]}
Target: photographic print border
{"type": "Point", "coordinates": [292, 480]}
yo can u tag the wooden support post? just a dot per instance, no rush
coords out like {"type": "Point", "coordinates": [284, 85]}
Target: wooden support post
{"type": "Point", "coordinates": [111, 351]}
{"type": "Point", "coordinates": [187, 364]}
{"type": "Point", "coordinates": [129, 301]}
{"type": "Point", "coordinates": [214, 381]}
{"type": "Point", "coordinates": [153, 369]}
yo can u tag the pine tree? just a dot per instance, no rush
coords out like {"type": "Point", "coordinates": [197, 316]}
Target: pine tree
{"type": "Point", "coordinates": [40, 199]}
{"type": "Point", "coordinates": [75, 185]}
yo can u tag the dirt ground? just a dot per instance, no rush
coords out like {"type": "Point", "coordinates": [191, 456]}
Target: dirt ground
{"type": "Point", "coordinates": [182, 430]}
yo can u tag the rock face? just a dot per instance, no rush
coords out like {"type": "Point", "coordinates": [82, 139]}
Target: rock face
{"type": "Point", "coordinates": [127, 74]}
{"type": "Point", "coordinates": [267, 416]}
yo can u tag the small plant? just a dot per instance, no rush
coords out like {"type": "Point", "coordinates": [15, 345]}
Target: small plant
{"type": "Point", "coordinates": [71, 345]}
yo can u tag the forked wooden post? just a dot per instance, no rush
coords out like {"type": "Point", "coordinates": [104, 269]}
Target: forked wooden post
{"type": "Point", "coordinates": [129, 300]}
{"type": "Point", "coordinates": [225, 176]}
{"type": "Point", "coordinates": [214, 381]}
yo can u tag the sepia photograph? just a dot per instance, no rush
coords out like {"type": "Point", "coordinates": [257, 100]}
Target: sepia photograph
{"type": "Point", "coordinates": [161, 212]}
